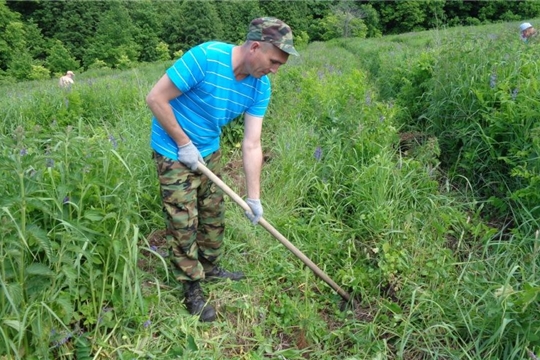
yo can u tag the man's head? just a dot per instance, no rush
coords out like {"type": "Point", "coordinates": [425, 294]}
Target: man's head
{"type": "Point", "coordinates": [273, 31]}
{"type": "Point", "coordinates": [70, 73]}
{"type": "Point", "coordinates": [526, 30]}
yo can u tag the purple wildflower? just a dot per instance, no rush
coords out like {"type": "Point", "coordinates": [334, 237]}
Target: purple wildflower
{"type": "Point", "coordinates": [147, 323]}
{"type": "Point", "coordinates": [113, 141]}
{"type": "Point", "coordinates": [493, 80]}
{"type": "Point", "coordinates": [104, 310]}
{"type": "Point", "coordinates": [532, 355]}
{"type": "Point", "coordinates": [66, 200]}
{"type": "Point", "coordinates": [49, 163]}
{"type": "Point", "coordinates": [23, 152]}
{"type": "Point", "coordinates": [62, 341]}
{"type": "Point", "coordinates": [153, 248]}
{"type": "Point", "coordinates": [318, 153]}
{"type": "Point", "coordinates": [515, 93]}
{"type": "Point", "coordinates": [368, 99]}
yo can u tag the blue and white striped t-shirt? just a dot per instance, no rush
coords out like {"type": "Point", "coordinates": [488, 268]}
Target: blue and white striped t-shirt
{"type": "Point", "coordinates": [211, 98]}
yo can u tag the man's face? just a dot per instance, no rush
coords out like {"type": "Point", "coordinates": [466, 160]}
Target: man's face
{"type": "Point", "coordinates": [528, 32]}
{"type": "Point", "coordinates": [265, 58]}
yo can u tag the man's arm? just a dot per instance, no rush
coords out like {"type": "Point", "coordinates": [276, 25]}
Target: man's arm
{"type": "Point", "coordinates": [252, 155]}
{"type": "Point", "coordinates": [158, 102]}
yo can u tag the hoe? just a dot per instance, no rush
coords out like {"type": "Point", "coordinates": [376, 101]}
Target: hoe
{"type": "Point", "coordinates": [275, 233]}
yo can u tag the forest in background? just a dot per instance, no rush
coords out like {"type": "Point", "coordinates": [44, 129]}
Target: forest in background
{"type": "Point", "coordinates": [42, 39]}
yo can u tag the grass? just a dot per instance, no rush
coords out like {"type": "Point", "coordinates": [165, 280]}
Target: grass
{"type": "Point", "coordinates": [84, 275]}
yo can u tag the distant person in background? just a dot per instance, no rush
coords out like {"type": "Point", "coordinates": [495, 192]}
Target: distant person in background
{"type": "Point", "coordinates": [204, 90]}
{"type": "Point", "coordinates": [67, 80]}
{"type": "Point", "coordinates": [527, 31]}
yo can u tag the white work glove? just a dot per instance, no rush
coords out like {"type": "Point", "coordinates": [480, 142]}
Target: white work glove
{"type": "Point", "coordinates": [190, 156]}
{"type": "Point", "coordinates": [256, 210]}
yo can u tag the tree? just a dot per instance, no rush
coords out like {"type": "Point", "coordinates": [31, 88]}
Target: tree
{"type": "Point", "coordinates": [59, 60]}
{"type": "Point", "coordinates": [72, 22]}
{"type": "Point", "coordinates": [370, 16]}
{"type": "Point", "coordinates": [192, 23]}
{"type": "Point", "coordinates": [113, 41]}
{"type": "Point", "coordinates": [457, 11]}
{"type": "Point", "coordinates": [297, 14]}
{"type": "Point", "coordinates": [11, 34]}
{"type": "Point", "coordinates": [36, 43]}
{"type": "Point", "coordinates": [147, 27]}
{"type": "Point", "coordinates": [528, 9]}
{"type": "Point", "coordinates": [20, 65]}
{"type": "Point", "coordinates": [350, 19]}
{"type": "Point", "coordinates": [345, 20]}
{"type": "Point", "coordinates": [402, 16]}
{"type": "Point", "coordinates": [435, 16]}
{"type": "Point", "coordinates": [235, 16]}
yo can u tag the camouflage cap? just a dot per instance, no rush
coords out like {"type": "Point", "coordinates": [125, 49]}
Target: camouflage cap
{"type": "Point", "coordinates": [274, 31]}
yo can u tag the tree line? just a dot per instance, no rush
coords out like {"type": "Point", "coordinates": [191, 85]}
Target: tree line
{"type": "Point", "coordinates": [41, 39]}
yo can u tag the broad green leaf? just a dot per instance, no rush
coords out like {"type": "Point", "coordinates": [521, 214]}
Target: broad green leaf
{"type": "Point", "coordinates": [40, 236]}
{"type": "Point", "coordinates": [39, 269]}
{"type": "Point", "coordinates": [15, 324]}
{"type": "Point", "coordinates": [93, 215]}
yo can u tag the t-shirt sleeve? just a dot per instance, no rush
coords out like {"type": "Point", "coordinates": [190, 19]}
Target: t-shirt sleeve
{"type": "Point", "coordinates": [258, 109]}
{"type": "Point", "coordinates": [189, 70]}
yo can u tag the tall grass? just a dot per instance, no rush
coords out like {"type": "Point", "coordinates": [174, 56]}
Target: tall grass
{"type": "Point", "coordinates": [81, 278]}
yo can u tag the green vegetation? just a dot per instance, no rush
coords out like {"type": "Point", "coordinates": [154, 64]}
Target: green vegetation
{"type": "Point", "coordinates": [43, 39]}
{"type": "Point", "coordinates": [399, 165]}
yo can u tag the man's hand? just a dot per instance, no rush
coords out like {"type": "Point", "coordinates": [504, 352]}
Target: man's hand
{"type": "Point", "coordinates": [256, 210]}
{"type": "Point", "coordinates": [190, 156]}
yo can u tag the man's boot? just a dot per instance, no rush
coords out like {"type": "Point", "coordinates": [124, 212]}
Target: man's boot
{"type": "Point", "coordinates": [218, 273]}
{"type": "Point", "coordinates": [196, 303]}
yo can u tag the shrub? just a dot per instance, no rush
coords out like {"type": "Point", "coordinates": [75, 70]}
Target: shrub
{"type": "Point", "coordinates": [98, 64]}
{"type": "Point", "coordinates": [39, 72]}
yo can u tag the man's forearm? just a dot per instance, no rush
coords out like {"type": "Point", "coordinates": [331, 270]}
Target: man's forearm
{"type": "Point", "coordinates": [252, 159]}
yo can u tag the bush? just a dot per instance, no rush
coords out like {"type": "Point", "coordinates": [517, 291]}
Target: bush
{"type": "Point", "coordinates": [39, 72]}
{"type": "Point", "coordinates": [162, 51]}
{"type": "Point", "coordinates": [98, 64]}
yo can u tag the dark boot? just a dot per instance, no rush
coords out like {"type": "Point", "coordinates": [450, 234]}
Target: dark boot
{"type": "Point", "coordinates": [218, 273]}
{"type": "Point", "coordinates": [196, 303]}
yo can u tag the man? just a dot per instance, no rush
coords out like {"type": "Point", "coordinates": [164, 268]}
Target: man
{"type": "Point", "coordinates": [67, 80]}
{"type": "Point", "coordinates": [205, 89]}
{"type": "Point", "coordinates": [526, 31]}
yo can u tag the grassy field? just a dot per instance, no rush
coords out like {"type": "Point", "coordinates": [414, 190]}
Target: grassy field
{"type": "Point", "coordinates": [352, 178]}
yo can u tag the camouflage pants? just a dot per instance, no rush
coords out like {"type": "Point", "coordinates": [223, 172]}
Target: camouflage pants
{"type": "Point", "coordinates": [194, 214]}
